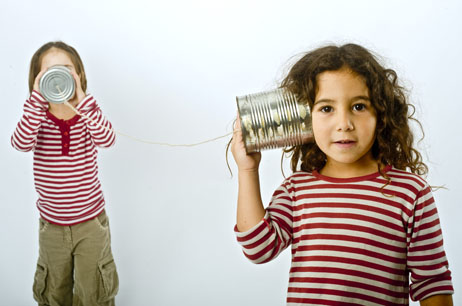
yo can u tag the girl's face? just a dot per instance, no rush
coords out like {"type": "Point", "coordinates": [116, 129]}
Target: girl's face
{"type": "Point", "coordinates": [344, 123]}
{"type": "Point", "coordinates": [55, 57]}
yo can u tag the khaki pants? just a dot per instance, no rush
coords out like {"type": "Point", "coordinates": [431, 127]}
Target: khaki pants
{"type": "Point", "coordinates": [75, 265]}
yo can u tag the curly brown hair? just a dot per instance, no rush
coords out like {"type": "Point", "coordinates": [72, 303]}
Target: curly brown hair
{"type": "Point", "coordinates": [394, 138]}
{"type": "Point", "coordinates": [36, 62]}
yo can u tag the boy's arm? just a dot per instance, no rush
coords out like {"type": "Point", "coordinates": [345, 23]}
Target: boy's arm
{"type": "Point", "coordinates": [437, 300]}
{"type": "Point", "coordinates": [24, 137]}
{"type": "Point", "coordinates": [99, 126]}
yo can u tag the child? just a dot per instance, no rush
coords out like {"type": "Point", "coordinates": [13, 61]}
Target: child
{"type": "Point", "coordinates": [75, 265]}
{"type": "Point", "coordinates": [357, 214]}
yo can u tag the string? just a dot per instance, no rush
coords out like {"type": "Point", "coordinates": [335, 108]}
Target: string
{"type": "Point", "coordinates": [142, 140]}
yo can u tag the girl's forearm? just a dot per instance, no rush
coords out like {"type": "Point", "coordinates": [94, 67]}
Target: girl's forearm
{"type": "Point", "coordinates": [438, 300]}
{"type": "Point", "coordinates": [250, 210]}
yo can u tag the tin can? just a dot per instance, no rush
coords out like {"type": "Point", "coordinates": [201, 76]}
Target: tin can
{"type": "Point", "coordinates": [273, 119]}
{"type": "Point", "coordinates": [57, 84]}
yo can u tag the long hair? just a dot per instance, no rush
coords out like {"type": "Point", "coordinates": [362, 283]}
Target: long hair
{"type": "Point", "coordinates": [36, 62]}
{"type": "Point", "coordinates": [394, 143]}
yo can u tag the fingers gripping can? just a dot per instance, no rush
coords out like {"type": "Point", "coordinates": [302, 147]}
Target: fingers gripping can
{"type": "Point", "coordinates": [57, 84]}
{"type": "Point", "coordinates": [273, 119]}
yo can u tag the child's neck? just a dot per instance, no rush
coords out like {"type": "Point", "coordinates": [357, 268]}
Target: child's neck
{"type": "Point", "coordinates": [339, 170]}
{"type": "Point", "coordinates": [61, 111]}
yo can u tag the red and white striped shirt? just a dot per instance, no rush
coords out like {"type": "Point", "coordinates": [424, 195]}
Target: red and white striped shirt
{"type": "Point", "coordinates": [65, 168]}
{"type": "Point", "coordinates": [354, 241]}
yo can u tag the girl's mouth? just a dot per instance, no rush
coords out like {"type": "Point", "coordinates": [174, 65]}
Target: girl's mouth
{"type": "Point", "coordinates": [344, 141]}
{"type": "Point", "coordinates": [345, 144]}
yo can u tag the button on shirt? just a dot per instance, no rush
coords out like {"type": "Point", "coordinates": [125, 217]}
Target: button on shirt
{"type": "Point", "coordinates": [64, 127]}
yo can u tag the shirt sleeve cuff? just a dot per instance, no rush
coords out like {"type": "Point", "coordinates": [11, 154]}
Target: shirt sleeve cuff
{"type": "Point", "coordinates": [256, 232]}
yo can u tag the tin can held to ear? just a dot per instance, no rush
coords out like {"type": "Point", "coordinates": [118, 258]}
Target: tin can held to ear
{"type": "Point", "coordinates": [57, 84]}
{"type": "Point", "coordinates": [273, 119]}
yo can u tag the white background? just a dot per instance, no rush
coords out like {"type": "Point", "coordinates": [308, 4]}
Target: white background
{"type": "Point", "coordinates": [169, 71]}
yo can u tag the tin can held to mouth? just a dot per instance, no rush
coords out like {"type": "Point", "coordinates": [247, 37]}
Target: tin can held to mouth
{"type": "Point", "coordinates": [57, 84]}
{"type": "Point", "coordinates": [273, 119]}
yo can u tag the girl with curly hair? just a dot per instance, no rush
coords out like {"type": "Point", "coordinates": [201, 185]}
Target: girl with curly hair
{"type": "Point", "coordinates": [361, 221]}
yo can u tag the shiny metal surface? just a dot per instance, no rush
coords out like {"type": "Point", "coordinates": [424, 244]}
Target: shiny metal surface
{"type": "Point", "coordinates": [273, 119]}
{"type": "Point", "coordinates": [57, 84]}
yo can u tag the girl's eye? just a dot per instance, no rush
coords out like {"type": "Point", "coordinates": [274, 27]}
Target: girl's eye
{"type": "Point", "coordinates": [326, 109]}
{"type": "Point", "coordinates": [359, 107]}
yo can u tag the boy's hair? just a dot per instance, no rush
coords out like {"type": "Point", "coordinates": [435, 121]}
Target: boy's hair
{"type": "Point", "coordinates": [394, 139]}
{"type": "Point", "coordinates": [36, 62]}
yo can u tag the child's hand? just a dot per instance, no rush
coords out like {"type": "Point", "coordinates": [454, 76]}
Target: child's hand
{"type": "Point", "coordinates": [37, 80]}
{"type": "Point", "coordinates": [79, 94]}
{"type": "Point", "coordinates": [244, 161]}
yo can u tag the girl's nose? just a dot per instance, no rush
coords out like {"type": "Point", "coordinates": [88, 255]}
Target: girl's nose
{"type": "Point", "coordinates": [344, 122]}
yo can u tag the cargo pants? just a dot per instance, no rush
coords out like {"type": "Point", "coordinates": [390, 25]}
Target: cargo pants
{"type": "Point", "coordinates": [75, 265]}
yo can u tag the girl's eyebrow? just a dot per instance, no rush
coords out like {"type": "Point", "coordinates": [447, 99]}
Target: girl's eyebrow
{"type": "Point", "coordinates": [324, 101]}
{"type": "Point", "coordinates": [356, 98]}
{"type": "Point", "coordinates": [366, 98]}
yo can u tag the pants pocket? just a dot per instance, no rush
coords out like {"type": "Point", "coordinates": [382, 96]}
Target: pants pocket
{"type": "Point", "coordinates": [40, 283]}
{"type": "Point", "coordinates": [109, 283]}
{"type": "Point", "coordinates": [42, 225]}
{"type": "Point", "coordinates": [102, 220]}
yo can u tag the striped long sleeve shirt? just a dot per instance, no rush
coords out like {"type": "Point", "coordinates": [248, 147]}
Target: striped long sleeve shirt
{"type": "Point", "coordinates": [357, 241]}
{"type": "Point", "coordinates": [65, 167]}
